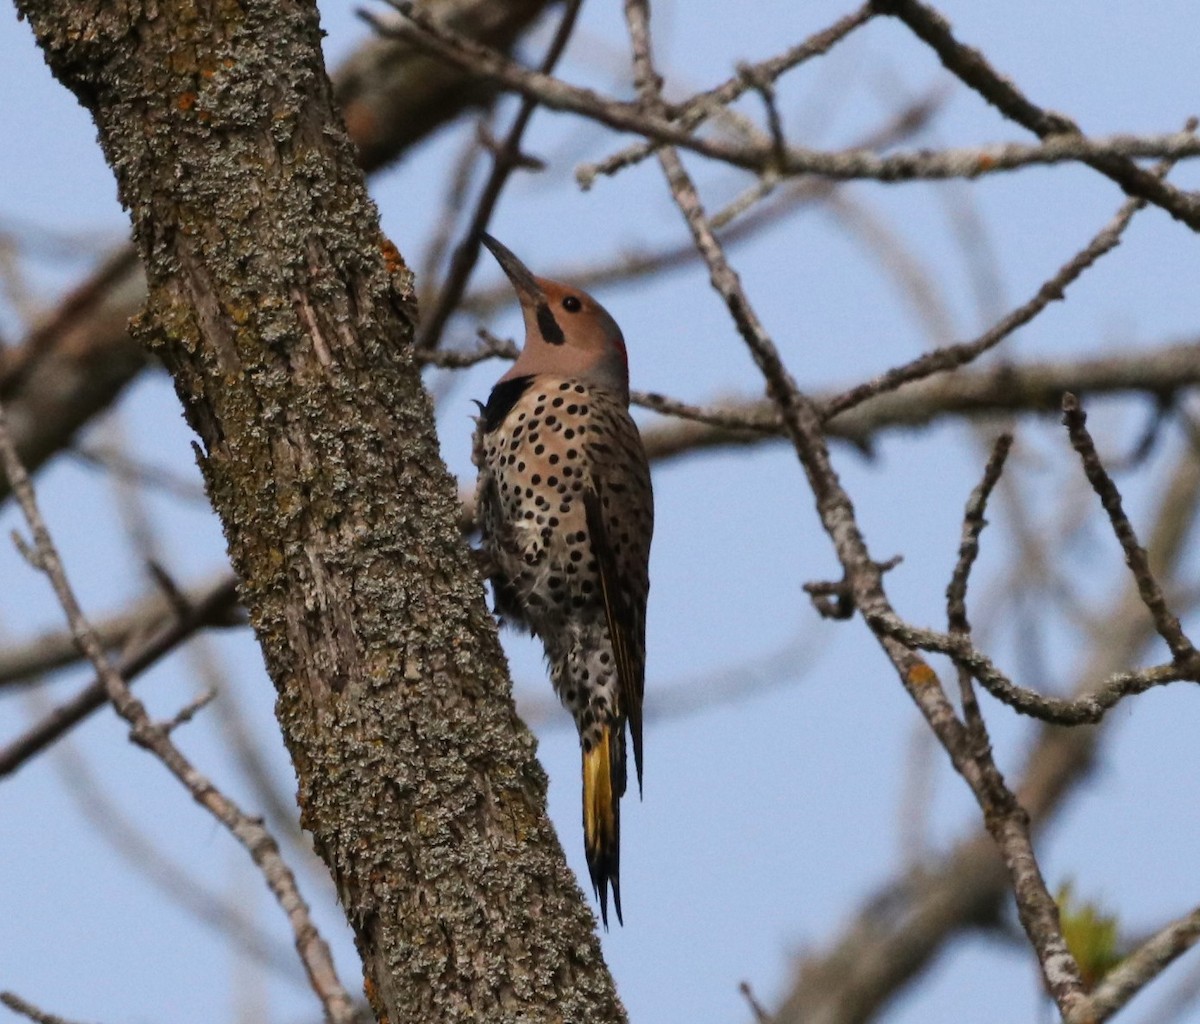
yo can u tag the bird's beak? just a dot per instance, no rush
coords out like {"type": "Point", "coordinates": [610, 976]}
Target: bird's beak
{"type": "Point", "coordinates": [522, 280]}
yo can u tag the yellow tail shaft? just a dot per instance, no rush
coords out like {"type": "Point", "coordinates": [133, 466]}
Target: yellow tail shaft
{"type": "Point", "coordinates": [603, 784]}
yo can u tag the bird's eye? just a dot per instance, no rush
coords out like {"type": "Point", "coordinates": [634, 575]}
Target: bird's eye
{"type": "Point", "coordinates": [572, 304]}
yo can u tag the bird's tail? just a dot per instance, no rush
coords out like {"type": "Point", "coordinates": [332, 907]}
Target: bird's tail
{"type": "Point", "coordinates": [603, 787]}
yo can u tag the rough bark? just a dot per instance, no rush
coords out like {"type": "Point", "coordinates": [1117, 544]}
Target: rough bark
{"type": "Point", "coordinates": [285, 319]}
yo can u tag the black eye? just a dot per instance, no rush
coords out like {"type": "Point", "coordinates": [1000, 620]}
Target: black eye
{"type": "Point", "coordinates": [571, 304]}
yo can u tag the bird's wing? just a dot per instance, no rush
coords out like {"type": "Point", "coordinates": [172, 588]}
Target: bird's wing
{"type": "Point", "coordinates": [622, 623]}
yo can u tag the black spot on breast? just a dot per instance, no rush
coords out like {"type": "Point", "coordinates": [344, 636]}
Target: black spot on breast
{"type": "Point", "coordinates": [500, 402]}
{"type": "Point", "coordinates": [552, 334]}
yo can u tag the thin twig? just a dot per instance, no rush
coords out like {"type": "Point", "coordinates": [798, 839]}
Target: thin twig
{"type": "Point", "coordinates": [765, 87]}
{"type": "Point", "coordinates": [189, 711]}
{"type": "Point", "coordinates": [973, 524]}
{"type": "Point", "coordinates": [249, 753]}
{"type": "Point", "coordinates": [951, 357]}
{"type": "Point", "coordinates": [972, 68]}
{"type": "Point", "coordinates": [1004, 388]}
{"type": "Point", "coordinates": [1141, 966]}
{"type": "Point", "coordinates": [26, 1009]}
{"type": "Point", "coordinates": [916, 283]}
{"type": "Point", "coordinates": [17, 364]}
{"type": "Point", "coordinates": [312, 949]}
{"type": "Point", "coordinates": [454, 199]}
{"type": "Point", "coordinates": [760, 1013]}
{"type": "Point", "coordinates": [892, 938]}
{"type": "Point", "coordinates": [956, 593]}
{"type": "Point", "coordinates": [506, 157]}
{"type": "Point", "coordinates": [1165, 621]}
{"type": "Point", "coordinates": [125, 467]}
{"type": "Point", "coordinates": [737, 220]}
{"type": "Point", "coordinates": [21, 662]}
{"type": "Point", "coordinates": [1179, 1003]}
{"type": "Point", "coordinates": [492, 348]}
{"type": "Point", "coordinates": [730, 685]}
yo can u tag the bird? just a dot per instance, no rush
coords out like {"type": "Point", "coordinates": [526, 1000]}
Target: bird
{"type": "Point", "coordinates": [566, 516]}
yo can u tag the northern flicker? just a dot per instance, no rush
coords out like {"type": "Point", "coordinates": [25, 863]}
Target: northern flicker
{"type": "Point", "coordinates": [567, 514]}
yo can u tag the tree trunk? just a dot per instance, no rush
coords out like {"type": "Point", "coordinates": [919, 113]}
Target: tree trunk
{"type": "Point", "coordinates": [285, 319]}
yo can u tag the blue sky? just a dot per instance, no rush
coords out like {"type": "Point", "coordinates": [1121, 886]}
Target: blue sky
{"type": "Point", "coordinates": [765, 822]}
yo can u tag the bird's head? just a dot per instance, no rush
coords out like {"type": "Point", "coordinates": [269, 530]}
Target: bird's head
{"type": "Point", "coordinates": [567, 332]}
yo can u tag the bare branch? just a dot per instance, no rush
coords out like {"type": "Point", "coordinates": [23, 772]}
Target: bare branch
{"type": "Point", "coordinates": [953, 356]}
{"type": "Point", "coordinates": [248, 752]}
{"type": "Point", "coordinates": [173, 881]}
{"type": "Point", "coordinates": [492, 348]}
{"type": "Point", "coordinates": [125, 467]}
{"type": "Point", "coordinates": [21, 662]}
{"type": "Point", "coordinates": [970, 162]}
{"type": "Point", "coordinates": [973, 69]}
{"type": "Point", "coordinates": [732, 685]}
{"type": "Point", "coordinates": [1141, 967]}
{"type": "Point", "coordinates": [26, 1009]}
{"type": "Point", "coordinates": [900, 931]}
{"type": "Point", "coordinates": [313, 952]}
{"type": "Point", "coordinates": [968, 551]}
{"type": "Point", "coordinates": [189, 711]}
{"type": "Point", "coordinates": [220, 598]}
{"type": "Point", "coordinates": [973, 524]}
{"type": "Point", "coordinates": [76, 363]}
{"type": "Point", "coordinates": [740, 219]}
{"type": "Point", "coordinates": [1167, 623]}
{"type": "Point", "coordinates": [1035, 387]}
{"type": "Point", "coordinates": [760, 1014]}
{"type": "Point", "coordinates": [392, 96]}
{"type": "Point", "coordinates": [1085, 710]}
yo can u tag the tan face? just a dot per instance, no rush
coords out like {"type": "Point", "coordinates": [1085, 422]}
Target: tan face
{"type": "Point", "coordinates": [586, 327]}
{"type": "Point", "coordinates": [567, 332]}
